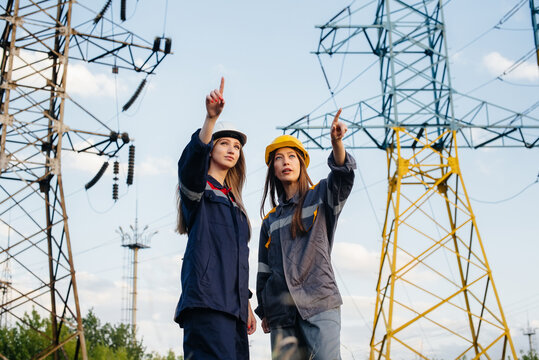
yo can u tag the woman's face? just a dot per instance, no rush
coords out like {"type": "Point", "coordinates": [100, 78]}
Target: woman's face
{"type": "Point", "coordinates": [226, 152]}
{"type": "Point", "coordinates": [286, 165]}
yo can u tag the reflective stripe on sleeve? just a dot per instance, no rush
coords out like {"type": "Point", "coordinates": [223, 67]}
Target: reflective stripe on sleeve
{"type": "Point", "coordinates": [191, 195]}
{"type": "Point", "coordinates": [336, 207]}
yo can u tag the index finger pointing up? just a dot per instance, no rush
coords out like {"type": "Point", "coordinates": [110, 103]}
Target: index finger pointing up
{"type": "Point", "coordinates": [336, 118]}
{"type": "Point", "coordinates": [222, 86]}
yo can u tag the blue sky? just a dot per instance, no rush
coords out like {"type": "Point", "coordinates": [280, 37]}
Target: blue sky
{"type": "Point", "coordinates": [263, 51]}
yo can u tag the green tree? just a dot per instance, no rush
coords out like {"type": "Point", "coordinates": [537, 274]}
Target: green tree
{"type": "Point", "coordinates": [115, 341]}
{"type": "Point", "coordinates": [32, 334]}
{"type": "Point", "coordinates": [169, 356]}
{"type": "Point", "coordinates": [530, 355]}
{"type": "Point", "coordinates": [26, 339]}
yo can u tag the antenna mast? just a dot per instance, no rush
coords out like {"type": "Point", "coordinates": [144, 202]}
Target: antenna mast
{"type": "Point", "coordinates": [134, 242]}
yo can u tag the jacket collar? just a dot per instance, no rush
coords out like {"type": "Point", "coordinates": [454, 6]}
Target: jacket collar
{"type": "Point", "coordinates": [283, 201]}
{"type": "Point", "coordinates": [216, 185]}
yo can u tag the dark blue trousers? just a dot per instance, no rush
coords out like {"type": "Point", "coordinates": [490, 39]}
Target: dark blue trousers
{"type": "Point", "coordinates": [214, 335]}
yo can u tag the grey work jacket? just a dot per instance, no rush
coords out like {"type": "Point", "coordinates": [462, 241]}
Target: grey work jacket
{"type": "Point", "coordinates": [295, 275]}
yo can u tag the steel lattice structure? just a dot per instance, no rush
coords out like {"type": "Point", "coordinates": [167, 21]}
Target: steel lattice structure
{"type": "Point", "coordinates": [535, 27]}
{"type": "Point", "coordinates": [37, 42]}
{"type": "Point", "coordinates": [434, 277]}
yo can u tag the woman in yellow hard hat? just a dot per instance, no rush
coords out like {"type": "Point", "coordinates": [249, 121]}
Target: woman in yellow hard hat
{"type": "Point", "coordinates": [296, 287]}
{"type": "Point", "coordinates": [214, 309]}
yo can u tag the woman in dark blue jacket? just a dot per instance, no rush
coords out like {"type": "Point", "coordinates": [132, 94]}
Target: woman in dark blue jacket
{"type": "Point", "coordinates": [214, 308]}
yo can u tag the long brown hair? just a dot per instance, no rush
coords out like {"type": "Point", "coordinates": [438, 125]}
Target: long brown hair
{"type": "Point", "coordinates": [275, 189]}
{"type": "Point", "coordinates": [235, 179]}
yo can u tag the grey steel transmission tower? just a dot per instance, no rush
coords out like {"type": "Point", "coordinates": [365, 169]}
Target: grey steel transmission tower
{"type": "Point", "coordinates": [535, 27]}
{"type": "Point", "coordinates": [37, 43]}
{"type": "Point", "coordinates": [435, 285]}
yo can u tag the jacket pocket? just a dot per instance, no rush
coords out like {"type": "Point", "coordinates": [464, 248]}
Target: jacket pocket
{"type": "Point", "coordinates": [205, 276]}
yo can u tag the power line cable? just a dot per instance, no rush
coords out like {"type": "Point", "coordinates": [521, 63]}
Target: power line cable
{"type": "Point", "coordinates": [352, 298]}
{"type": "Point", "coordinates": [509, 198]}
{"type": "Point", "coordinates": [516, 84]}
{"type": "Point", "coordinates": [507, 71]}
{"type": "Point", "coordinates": [504, 18]}
{"type": "Point", "coordinates": [165, 18]}
{"type": "Point", "coordinates": [344, 87]}
{"type": "Point", "coordinates": [515, 29]}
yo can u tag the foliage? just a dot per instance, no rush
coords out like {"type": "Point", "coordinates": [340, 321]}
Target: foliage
{"type": "Point", "coordinates": [32, 334]}
{"type": "Point", "coordinates": [169, 356]}
{"type": "Point", "coordinates": [110, 341]}
{"type": "Point", "coordinates": [530, 355]}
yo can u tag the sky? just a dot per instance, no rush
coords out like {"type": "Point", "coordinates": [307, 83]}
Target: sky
{"type": "Point", "coordinates": [263, 51]}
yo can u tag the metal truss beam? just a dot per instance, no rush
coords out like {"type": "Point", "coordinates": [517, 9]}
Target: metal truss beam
{"type": "Point", "coordinates": [416, 92]}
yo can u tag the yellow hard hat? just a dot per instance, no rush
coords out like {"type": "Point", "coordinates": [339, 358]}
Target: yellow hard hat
{"type": "Point", "coordinates": [287, 141]}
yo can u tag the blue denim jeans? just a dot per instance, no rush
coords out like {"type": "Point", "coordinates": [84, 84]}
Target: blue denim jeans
{"type": "Point", "coordinates": [316, 338]}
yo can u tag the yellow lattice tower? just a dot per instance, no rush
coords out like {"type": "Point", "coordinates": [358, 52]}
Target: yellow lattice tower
{"type": "Point", "coordinates": [434, 275]}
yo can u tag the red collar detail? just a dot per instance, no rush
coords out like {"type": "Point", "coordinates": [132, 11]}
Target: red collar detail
{"type": "Point", "coordinates": [225, 191]}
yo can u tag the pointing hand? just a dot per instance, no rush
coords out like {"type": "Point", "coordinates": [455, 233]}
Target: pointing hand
{"type": "Point", "coordinates": [215, 101]}
{"type": "Point", "coordinates": [338, 128]}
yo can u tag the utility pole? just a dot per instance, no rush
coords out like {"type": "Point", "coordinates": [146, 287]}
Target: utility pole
{"type": "Point", "coordinates": [134, 242]}
{"type": "Point", "coordinates": [529, 332]}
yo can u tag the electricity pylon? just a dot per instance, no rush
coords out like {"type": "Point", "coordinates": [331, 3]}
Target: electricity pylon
{"type": "Point", "coordinates": [37, 42]}
{"type": "Point", "coordinates": [435, 285]}
{"type": "Point", "coordinates": [535, 27]}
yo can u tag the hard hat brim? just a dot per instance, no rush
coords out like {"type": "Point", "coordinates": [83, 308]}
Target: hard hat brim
{"type": "Point", "coordinates": [287, 143]}
{"type": "Point", "coordinates": [241, 137]}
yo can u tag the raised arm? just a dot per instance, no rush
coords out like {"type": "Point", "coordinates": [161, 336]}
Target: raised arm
{"type": "Point", "coordinates": [338, 129]}
{"type": "Point", "coordinates": [214, 106]}
{"type": "Point", "coordinates": [193, 163]}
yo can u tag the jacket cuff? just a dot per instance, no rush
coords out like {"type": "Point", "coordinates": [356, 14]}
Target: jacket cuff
{"type": "Point", "coordinates": [348, 166]}
{"type": "Point", "coordinates": [260, 312]}
{"type": "Point", "coordinates": [198, 144]}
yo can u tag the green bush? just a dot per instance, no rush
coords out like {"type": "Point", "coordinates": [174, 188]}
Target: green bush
{"type": "Point", "coordinates": [31, 335]}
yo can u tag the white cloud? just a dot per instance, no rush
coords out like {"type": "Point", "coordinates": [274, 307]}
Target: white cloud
{"type": "Point", "coordinates": [32, 68]}
{"type": "Point", "coordinates": [91, 163]}
{"type": "Point", "coordinates": [86, 83]}
{"type": "Point", "coordinates": [88, 163]}
{"type": "Point", "coordinates": [152, 166]}
{"type": "Point", "coordinates": [355, 257]}
{"type": "Point", "coordinates": [497, 64]}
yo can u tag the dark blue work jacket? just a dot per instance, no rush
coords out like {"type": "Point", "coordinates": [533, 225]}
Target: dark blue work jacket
{"type": "Point", "coordinates": [215, 269]}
